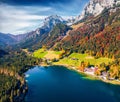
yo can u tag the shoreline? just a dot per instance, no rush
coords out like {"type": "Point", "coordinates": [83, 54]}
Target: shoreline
{"type": "Point", "coordinates": [90, 77]}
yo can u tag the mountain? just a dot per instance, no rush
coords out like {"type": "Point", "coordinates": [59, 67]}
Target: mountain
{"type": "Point", "coordinates": [71, 21]}
{"type": "Point", "coordinates": [7, 39]}
{"type": "Point", "coordinates": [49, 23]}
{"type": "Point", "coordinates": [19, 37]}
{"type": "Point", "coordinates": [95, 7]}
{"type": "Point", "coordinates": [48, 39]}
{"type": "Point", "coordinates": [99, 36]}
{"type": "Point", "coordinates": [42, 33]}
{"type": "Point", "coordinates": [55, 35]}
{"type": "Point", "coordinates": [2, 53]}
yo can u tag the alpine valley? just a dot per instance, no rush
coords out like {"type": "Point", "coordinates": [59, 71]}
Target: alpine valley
{"type": "Point", "coordinates": [88, 44]}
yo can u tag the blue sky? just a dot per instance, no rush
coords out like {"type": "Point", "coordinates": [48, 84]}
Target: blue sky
{"type": "Point", "coordinates": [21, 16]}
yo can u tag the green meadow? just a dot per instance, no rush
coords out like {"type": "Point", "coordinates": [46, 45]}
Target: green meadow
{"type": "Point", "coordinates": [73, 59]}
{"type": "Point", "coordinates": [40, 53]}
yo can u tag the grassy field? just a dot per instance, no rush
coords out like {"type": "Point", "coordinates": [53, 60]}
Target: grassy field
{"type": "Point", "coordinates": [41, 53]}
{"type": "Point", "coordinates": [72, 60]}
{"type": "Point", "coordinates": [52, 55]}
{"type": "Point", "coordinates": [75, 59]}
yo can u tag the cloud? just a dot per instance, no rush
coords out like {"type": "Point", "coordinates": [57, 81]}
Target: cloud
{"type": "Point", "coordinates": [19, 16]}
{"type": "Point", "coordinates": [13, 19]}
{"type": "Point", "coordinates": [22, 19]}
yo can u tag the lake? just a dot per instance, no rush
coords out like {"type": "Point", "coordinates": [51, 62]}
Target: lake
{"type": "Point", "coordinates": [59, 84]}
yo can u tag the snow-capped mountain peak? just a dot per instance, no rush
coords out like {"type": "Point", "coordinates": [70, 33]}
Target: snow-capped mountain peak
{"type": "Point", "coordinates": [95, 7]}
{"type": "Point", "coordinates": [54, 17]}
{"type": "Point", "coordinates": [52, 21]}
{"type": "Point", "coordinates": [49, 23]}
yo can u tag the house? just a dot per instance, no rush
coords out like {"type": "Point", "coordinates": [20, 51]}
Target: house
{"type": "Point", "coordinates": [90, 70]}
{"type": "Point", "coordinates": [74, 59]}
{"type": "Point", "coordinates": [104, 75]}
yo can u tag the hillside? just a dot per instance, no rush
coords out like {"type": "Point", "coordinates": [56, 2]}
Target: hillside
{"type": "Point", "coordinates": [97, 35]}
{"type": "Point", "coordinates": [95, 7]}
{"type": "Point", "coordinates": [47, 39]}
{"type": "Point", "coordinates": [2, 53]}
{"type": "Point", "coordinates": [6, 39]}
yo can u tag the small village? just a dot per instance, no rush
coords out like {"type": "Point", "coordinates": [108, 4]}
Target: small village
{"type": "Point", "coordinates": [103, 75]}
{"type": "Point", "coordinates": [93, 70]}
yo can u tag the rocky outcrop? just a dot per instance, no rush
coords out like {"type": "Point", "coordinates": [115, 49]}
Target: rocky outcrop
{"type": "Point", "coordinates": [95, 7]}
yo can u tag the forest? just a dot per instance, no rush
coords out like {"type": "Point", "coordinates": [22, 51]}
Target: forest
{"type": "Point", "coordinates": [12, 67]}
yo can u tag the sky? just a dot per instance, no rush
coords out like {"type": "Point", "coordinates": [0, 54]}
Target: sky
{"type": "Point", "coordinates": [21, 16]}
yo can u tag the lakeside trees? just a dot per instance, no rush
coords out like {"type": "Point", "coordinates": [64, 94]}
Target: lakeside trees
{"type": "Point", "coordinates": [84, 65]}
{"type": "Point", "coordinates": [12, 67]}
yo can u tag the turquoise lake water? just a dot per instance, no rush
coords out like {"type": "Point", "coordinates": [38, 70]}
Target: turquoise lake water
{"type": "Point", "coordinates": [58, 84]}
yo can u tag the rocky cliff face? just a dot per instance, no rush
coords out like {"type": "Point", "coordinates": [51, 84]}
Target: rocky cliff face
{"type": "Point", "coordinates": [49, 23]}
{"type": "Point", "coordinates": [95, 7]}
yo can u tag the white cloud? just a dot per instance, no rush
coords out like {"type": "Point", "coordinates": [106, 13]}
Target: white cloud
{"type": "Point", "coordinates": [21, 19]}
{"type": "Point", "coordinates": [14, 19]}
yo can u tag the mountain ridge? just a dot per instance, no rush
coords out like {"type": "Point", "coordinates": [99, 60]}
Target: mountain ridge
{"type": "Point", "coordinates": [94, 33]}
{"type": "Point", "coordinates": [95, 7]}
{"type": "Point", "coordinates": [49, 23]}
